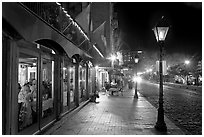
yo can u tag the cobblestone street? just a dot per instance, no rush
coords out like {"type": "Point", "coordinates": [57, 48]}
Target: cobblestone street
{"type": "Point", "coordinates": [182, 105]}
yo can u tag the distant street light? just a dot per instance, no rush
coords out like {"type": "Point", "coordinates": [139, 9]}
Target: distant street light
{"type": "Point", "coordinates": [136, 59]}
{"type": "Point", "coordinates": [149, 72]}
{"type": "Point", "coordinates": [96, 67]}
{"type": "Point", "coordinates": [113, 58]}
{"type": "Point", "coordinates": [160, 31]}
{"type": "Point", "coordinates": [139, 52]}
{"type": "Point", "coordinates": [187, 62]}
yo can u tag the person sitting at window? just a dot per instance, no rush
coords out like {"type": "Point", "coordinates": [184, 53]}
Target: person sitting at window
{"type": "Point", "coordinates": [33, 89]}
{"type": "Point", "coordinates": [25, 97]}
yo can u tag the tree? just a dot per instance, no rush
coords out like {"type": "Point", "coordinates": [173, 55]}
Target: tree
{"type": "Point", "coordinates": [148, 60]}
{"type": "Point", "coordinates": [197, 71]}
{"type": "Point", "coordinates": [176, 58]}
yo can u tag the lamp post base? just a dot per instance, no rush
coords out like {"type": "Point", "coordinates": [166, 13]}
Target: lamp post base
{"type": "Point", "coordinates": [161, 126]}
{"type": "Point", "coordinates": [135, 96]}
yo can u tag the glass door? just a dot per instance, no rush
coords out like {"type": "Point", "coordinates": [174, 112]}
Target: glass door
{"type": "Point", "coordinates": [82, 83]}
{"type": "Point", "coordinates": [47, 89]}
{"type": "Point", "coordinates": [65, 86]}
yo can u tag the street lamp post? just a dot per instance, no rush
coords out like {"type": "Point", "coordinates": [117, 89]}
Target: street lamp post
{"type": "Point", "coordinates": [136, 59]}
{"type": "Point", "coordinates": [186, 63]}
{"type": "Point", "coordinates": [160, 31]}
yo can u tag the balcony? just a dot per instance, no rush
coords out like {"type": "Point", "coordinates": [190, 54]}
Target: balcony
{"type": "Point", "coordinates": [54, 14]}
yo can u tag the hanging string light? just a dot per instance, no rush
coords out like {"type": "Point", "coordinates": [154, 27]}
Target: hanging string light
{"type": "Point", "coordinates": [73, 22]}
{"type": "Point", "coordinates": [58, 3]}
{"type": "Point", "coordinates": [65, 11]}
{"type": "Point", "coordinates": [68, 15]}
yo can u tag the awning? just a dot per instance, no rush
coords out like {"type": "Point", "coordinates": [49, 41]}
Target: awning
{"type": "Point", "coordinates": [34, 28]}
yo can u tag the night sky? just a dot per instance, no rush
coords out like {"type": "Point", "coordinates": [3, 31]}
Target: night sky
{"type": "Point", "coordinates": [136, 20]}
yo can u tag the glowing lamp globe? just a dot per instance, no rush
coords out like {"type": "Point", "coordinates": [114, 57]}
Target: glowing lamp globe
{"type": "Point", "coordinates": [161, 30]}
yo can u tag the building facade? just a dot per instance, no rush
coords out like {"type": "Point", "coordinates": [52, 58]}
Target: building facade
{"type": "Point", "coordinates": [47, 69]}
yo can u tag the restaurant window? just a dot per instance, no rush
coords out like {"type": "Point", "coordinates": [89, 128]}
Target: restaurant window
{"type": "Point", "coordinates": [65, 85]}
{"type": "Point", "coordinates": [72, 84]}
{"type": "Point", "coordinates": [27, 91]}
{"type": "Point", "coordinates": [90, 80]}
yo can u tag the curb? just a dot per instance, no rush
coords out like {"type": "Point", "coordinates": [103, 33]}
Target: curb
{"type": "Point", "coordinates": [63, 119]}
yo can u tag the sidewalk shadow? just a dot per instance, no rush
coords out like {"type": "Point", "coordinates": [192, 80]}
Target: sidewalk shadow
{"type": "Point", "coordinates": [159, 132]}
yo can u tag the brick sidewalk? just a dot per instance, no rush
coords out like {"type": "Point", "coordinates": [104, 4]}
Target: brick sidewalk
{"type": "Point", "coordinates": [114, 115]}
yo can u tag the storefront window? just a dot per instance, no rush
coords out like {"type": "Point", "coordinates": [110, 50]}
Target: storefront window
{"type": "Point", "coordinates": [90, 80]}
{"type": "Point", "coordinates": [65, 84]}
{"type": "Point", "coordinates": [27, 94]}
{"type": "Point", "coordinates": [47, 87]}
{"type": "Point", "coordinates": [72, 83]}
{"type": "Point", "coordinates": [82, 84]}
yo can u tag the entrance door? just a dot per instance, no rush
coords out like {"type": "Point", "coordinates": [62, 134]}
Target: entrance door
{"type": "Point", "coordinates": [27, 97]}
{"type": "Point", "coordinates": [47, 97]}
{"type": "Point", "coordinates": [65, 86]}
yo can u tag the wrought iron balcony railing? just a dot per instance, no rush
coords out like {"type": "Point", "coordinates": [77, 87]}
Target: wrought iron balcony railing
{"type": "Point", "coordinates": [57, 17]}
